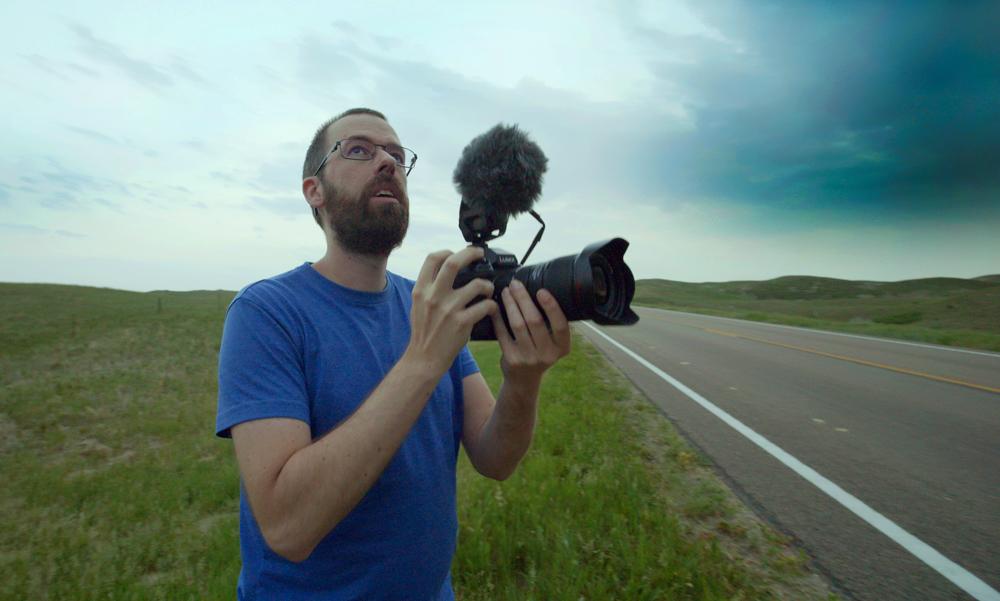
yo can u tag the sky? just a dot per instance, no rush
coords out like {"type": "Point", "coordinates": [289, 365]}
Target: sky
{"type": "Point", "coordinates": [159, 146]}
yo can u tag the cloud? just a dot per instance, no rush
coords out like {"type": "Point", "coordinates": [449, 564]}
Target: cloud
{"type": "Point", "coordinates": [195, 144]}
{"type": "Point", "coordinates": [21, 228]}
{"type": "Point", "coordinates": [141, 72]}
{"type": "Point", "coordinates": [33, 230]}
{"type": "Point", "coordinates": [84, 70]}
{"type": "Point", "coordinates": [281, 204]}
{"type": "Point", "coordinates": [594, 147]}
{"type": "Point", "coordinates": [45, 65]}
{"type": "Point", "coordinates": [281, 174]}
{"type": "Point", "coordinates": [53, 185]}
{"type": "Point", "coordinates": [180, 67]}
{"type": "Point", "coordinates": [93, 135]}
{"type": "Point", "coordinates": [857, 108]}
{"type": "Point", "coordinates": [224, 177]}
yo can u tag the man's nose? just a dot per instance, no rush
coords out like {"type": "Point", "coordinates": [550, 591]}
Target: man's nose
{"type": "Point", "coordinates": [385, 162]}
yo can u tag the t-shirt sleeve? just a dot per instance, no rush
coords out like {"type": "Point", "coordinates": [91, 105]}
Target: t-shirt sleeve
{"type": "Point", "coordinates": [466, 363]}
{"type": "Point", "coordinates": [261, 372]}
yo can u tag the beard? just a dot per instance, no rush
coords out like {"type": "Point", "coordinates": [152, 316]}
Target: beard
{"type": "Point", "coordinates": [360, 227]}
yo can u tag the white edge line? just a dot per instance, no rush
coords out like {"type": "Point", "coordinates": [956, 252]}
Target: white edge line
{"type": "Point", "coordinates": [937, 347]}
{"type": "Point", "coordinates": [955, 573]}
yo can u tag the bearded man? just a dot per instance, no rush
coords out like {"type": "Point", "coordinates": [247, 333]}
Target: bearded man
{"type": "Point", "coordinates": [348, 389]}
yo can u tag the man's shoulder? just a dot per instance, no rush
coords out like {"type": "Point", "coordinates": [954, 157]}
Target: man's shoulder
{"type": "Point", "coordinates": [400, 281]}
{"type": "Point", "coordinates": [277, 290]}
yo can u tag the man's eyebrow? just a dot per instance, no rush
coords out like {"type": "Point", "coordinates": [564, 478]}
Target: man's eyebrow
{"type": "Point", "coordinates": [368, 139]}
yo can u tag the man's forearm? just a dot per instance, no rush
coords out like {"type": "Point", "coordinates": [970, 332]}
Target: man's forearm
{"type": "Point", "coordinates": [507, 434]}
{"type": "Point", "coordinates": [322, 482]}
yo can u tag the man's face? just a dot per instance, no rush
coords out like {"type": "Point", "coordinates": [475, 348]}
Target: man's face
{"type": "Point", "coordinates": [363, 220]}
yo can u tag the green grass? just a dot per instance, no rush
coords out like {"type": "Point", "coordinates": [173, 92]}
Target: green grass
{"type": "Point", "coordinates": [949, 311]}
{"type": "Point", "coordinates": [114, 486]}
{"type": "Point", "coordinates": [610, 503]}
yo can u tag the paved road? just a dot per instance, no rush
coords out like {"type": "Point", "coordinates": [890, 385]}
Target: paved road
{"type": "Point", "coordinates": [912, 431]}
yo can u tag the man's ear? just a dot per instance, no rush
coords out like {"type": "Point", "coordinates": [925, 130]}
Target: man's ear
{"type": "Point", "coordinates": [312, 190]}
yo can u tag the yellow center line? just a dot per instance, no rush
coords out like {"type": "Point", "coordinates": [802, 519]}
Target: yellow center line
{"type": "Point", "coordinates": [901, 370]}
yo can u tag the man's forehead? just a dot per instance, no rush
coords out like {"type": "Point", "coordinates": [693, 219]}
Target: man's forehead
{"type": "Point", "coordinates": [363, 126]}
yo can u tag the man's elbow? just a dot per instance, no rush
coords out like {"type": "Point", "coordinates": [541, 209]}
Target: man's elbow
{"type": "Point", "coordinates": [497, 472]}
{"type": "Point", "coordinates": [500, 476]}
{"type": "Point", "coordinates": [294, 555]}
{"type": "Point", "coordinates": [286, 545]}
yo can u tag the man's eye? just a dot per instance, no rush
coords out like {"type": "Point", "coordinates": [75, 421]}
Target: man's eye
{"type": "Point", "coordinates": [355, 149]}
{"type": "Point", "coordinates": [398, 155]}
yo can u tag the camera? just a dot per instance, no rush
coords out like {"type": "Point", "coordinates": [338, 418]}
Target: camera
{"type": "Point", "coordinates": [499, 175]}
{"type": "Point", "coordinates": [595, 284]}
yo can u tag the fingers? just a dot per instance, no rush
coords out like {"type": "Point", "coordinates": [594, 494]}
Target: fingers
{"type": "Point", "coordinates": [514, 319]}
{"type": "Point", "coordinates": [501, 332]}
{"type": "Point", "coordinates": [472, 315]}
{"type": "Point", "coordinates": [474, 289]}
{"type": "Point", "coordinates": [445, 278]}
{"type": "Point", "coordinates": [430, 268]}
{"type": "Point", "coordinates": [440, 321]}
{"type": "Point", "coordinates": [508, 346]}
{"type": "Point", "coordinates": [558, 324]}
{"type": "Point", "coordinates": [525, 319]}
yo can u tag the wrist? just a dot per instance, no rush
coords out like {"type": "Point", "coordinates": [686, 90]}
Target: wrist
{"type": "Point", "coordinates": [522, 387]}
{"type": "Point", "coordinates": [420, 367]}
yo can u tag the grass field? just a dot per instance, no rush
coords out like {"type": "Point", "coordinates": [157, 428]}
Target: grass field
{"type": "Point", "coordinates": [114, 486]}
{"type": "Point", "coordinates": [949, 311]}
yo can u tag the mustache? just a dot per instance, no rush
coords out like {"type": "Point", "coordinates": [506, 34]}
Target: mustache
{"type": "Point", "coordinates": [384, 182]}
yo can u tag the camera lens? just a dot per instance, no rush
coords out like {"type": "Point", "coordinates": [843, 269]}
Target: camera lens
{"type": "Point", "coordinates": [600, 285]}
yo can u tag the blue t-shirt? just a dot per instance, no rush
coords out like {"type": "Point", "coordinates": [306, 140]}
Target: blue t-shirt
{"type": "Point", "coordinates": [300, 346]}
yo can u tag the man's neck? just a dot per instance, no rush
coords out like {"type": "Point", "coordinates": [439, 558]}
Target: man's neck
{"type": "Point", "coordinates": [358, 272]}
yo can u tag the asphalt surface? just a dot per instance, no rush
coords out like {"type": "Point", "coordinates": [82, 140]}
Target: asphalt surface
{"type": "Point", "coordinates": [912, 431]}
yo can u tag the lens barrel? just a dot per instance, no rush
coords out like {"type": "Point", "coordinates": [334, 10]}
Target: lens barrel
{"type": "Point", "coordinates": [595, 284]}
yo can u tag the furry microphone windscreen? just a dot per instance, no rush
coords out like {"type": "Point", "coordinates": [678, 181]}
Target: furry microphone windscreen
{"type": "Point", "coordinates": [501, 170]}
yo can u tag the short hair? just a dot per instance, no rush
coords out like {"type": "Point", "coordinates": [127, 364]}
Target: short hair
{"type": "Point", "coordinates": [319, 145]}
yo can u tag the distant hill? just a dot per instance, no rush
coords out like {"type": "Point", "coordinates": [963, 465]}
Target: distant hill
{"type": "Point", "coordinates": [804, 287]}
{"type": "Point", "coordinates": [952, 303]}
{"type": "Point", "coordinates": [36, 314]}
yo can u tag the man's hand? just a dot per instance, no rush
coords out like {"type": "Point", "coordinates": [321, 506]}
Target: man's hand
{"type": "Point", "coordinates": [498, 433]}
{"type": "Point", "coordinates": [535, 347]}
{"type": "Point", "coordinates": [440, 321]}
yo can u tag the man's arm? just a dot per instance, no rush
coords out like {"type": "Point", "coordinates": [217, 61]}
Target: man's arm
{"type": "Point", "coordinates": [497, 434]}
{"type": "Point", "coordinates": [299, 490]}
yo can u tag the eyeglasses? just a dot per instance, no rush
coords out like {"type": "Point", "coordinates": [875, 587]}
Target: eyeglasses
{"type": "Point", "coordinates": [357, 149]}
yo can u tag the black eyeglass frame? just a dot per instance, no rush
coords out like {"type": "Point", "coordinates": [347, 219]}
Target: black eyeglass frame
{"type": "Point", "coordinates": [339, 144]}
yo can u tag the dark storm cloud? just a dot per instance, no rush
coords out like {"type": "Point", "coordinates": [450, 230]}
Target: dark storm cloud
{"type": "Point", "coordinates": [893, 108]}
